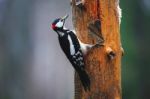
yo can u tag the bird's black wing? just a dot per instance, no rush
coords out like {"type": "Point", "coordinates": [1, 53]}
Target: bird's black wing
{"type": "Point", "coordinates": [77, 60]}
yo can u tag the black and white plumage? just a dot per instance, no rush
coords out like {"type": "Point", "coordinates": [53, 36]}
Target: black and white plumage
{"type": "Point", "coordinates": [73, 49]}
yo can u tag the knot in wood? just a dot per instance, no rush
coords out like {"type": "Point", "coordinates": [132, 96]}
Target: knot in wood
{"type": "Point", "coordinates": [110, 53]}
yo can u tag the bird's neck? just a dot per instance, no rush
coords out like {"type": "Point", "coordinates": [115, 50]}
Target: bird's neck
{"type": "Point", "coordinates": [62, 32]}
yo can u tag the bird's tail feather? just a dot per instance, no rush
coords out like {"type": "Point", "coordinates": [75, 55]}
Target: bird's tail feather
{"type": "Point", "coordinates": [85, 79]}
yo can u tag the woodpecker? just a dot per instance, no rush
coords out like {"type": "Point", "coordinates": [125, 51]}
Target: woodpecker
{"type": "Point", "coordinates": [74, 49]}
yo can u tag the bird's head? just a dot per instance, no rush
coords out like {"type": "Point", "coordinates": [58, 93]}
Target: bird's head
{"type": "Point", "coordinates": [58, 24]}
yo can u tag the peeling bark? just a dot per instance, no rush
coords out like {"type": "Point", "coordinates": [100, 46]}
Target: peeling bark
{"type": "Point", "coordinates": [102, 64]}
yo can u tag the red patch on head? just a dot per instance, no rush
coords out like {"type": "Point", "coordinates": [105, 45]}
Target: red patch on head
{"type": "Point", "coordinates": [53, 26]}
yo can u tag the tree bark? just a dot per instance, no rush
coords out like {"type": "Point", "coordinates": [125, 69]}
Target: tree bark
{"type": "Point", "coordinates": [103, 64]}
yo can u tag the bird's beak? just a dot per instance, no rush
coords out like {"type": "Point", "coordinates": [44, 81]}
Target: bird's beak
{"type": "Point", "coordinates": [64, 18]}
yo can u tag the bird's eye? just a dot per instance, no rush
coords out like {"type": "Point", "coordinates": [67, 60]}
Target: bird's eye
{"type": "Point", "coordinates": [61, 20]}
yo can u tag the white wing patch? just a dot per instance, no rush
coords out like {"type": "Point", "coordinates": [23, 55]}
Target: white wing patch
{"type": "Point", "coordinates": [78, 58]}
{"type": "Point", "coordinates": [72, 49]}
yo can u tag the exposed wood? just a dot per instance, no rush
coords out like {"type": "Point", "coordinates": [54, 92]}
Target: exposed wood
{"type": "Point", "coordinates": [102, 64]}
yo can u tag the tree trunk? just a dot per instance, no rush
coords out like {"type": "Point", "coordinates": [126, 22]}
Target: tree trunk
{"type": "Point", "coordinates": [103, 63]}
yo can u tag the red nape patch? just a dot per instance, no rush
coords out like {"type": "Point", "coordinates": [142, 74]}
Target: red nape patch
{"type": "Point", "coordinates": [53, 26]}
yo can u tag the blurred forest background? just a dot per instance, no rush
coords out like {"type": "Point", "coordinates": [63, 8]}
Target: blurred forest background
{"type": "Point", "coordinates": [32, 66]}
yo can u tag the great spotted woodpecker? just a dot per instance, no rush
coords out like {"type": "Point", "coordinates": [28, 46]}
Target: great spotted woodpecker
{"type": "Point", "coordinates": [73, 48]}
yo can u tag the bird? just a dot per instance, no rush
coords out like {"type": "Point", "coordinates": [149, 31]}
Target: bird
{"type": "Point", "coordinates": [74, 49]}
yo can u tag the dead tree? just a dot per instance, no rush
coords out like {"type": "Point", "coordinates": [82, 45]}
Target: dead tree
{"type": "Point", "coordinates": [103, 64]}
